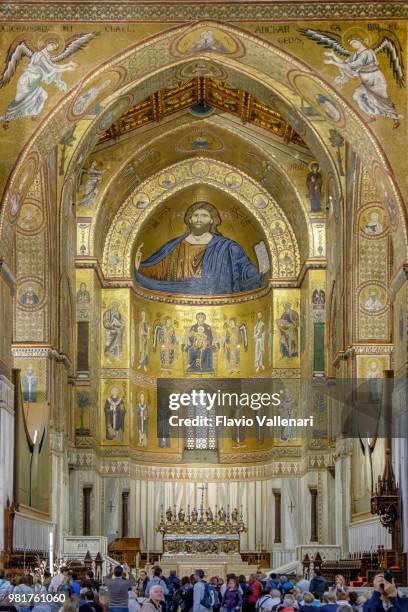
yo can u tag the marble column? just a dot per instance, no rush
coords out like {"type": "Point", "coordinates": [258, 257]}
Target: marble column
{"type": "Point", "coordinates": [342, 496]}
{"type": "Point", "coordinates": [60, 491]}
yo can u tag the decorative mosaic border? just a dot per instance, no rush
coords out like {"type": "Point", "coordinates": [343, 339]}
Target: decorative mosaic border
{"type": "Point", "coordinates": [181, 12]}
{"type": "Point", "coordinates": [82, 459]}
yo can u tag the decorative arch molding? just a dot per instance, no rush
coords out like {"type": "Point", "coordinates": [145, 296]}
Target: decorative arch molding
{"type": "Point", "coordinates": [100, 215]}
{"type": "Point", "coordinates": [153, 55]}
{"type": "Point", "coordinates": [123, 233]}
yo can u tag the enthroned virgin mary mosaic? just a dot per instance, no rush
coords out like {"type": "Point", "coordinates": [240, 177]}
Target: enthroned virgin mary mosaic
{"type": "Point", "coordinates": [201, 261]}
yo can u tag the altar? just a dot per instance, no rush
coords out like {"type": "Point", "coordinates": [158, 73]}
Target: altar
{"type": "Point", "coordinates": [213, 565]}
{"type": "Point", "coordinates": [202, 539]}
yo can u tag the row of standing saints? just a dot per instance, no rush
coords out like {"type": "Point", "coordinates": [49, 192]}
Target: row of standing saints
{"type": "Point", "coordinates": [115, 412]}
{"type": "Point", "coordinates": [200, 342]}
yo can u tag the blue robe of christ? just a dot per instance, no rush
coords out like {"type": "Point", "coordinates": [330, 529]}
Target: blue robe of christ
{"type": "Point", "coordinates": [225, 269]}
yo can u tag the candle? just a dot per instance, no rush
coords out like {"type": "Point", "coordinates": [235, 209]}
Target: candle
{"type": "Point", "coordinates": [51, 552]}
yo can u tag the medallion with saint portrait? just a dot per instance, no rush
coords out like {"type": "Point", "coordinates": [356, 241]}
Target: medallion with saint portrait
{"type": "Point", "coordinates": [30, 218]}
{"type": "Point", "coordinates": [373, 299]}
{"type": "Point", "coordinates": [373, 221]}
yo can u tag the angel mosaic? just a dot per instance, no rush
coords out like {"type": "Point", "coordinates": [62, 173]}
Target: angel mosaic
{"type": "Point", "coordinates": [235, 337]}
{"type": "Point", "coordinates": [43, 67]}
{"type": "Point", "coordinates": [164, 337]}
{"type": "Point", "coordinates": [363, 63]}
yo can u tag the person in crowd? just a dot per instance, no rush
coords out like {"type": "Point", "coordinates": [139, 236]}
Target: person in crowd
{"type": "Point", "coordinates": [87, 602]}
{"type": "Point", "coordinates": [262, 577]}
{"type": "Point", "coordinates": [289, 602]}
{"type": "Point", "coordinates": [104, 599]}
{"type": "Point", "coordinates": [58, 579]}
{"type": "Point", "coordinates": [70, 605]}
{"type": "Point", "coordinates": [5, 586]}
{"type": "Point", "coordinates": [215, 586]}
{"type": "Point", "coordinates": [244, 588]}
{"type": "Point", "coordinates": [347, 608]}
{"type": "Point", "coordinates": [285, 585]}
{"type": "Point", "coordinates": [224, 585]}
{"type": "Point", "coordinates": [339, 584]}
{"type": "Point", "coordinates": [385, 596]}
{"type": "Point", "coordinates": [302, 583]}
{"type": "Point", "coordinates": [272, 582]}
{"type": "Point", "coordinates": [154, 602]}
{"type": "Point", "coordinates": [118, 588]}
{"type": "Point", "coordinates": [200, 591]}
{"type": "Point", "coordinates": [307, 604]}
{"type": "Point", "coordinates": [232, 599]}
{"type": "Point", "coordinates": [76, 587]}
{"type": "Point", "coordinates": [39, 588]}
{"type": "Point", "coordinates": [352, 597]}
{"type": "Point", "coordinates": [329, 602]}
{"type": "Point", "coordinates": [173, 584]}
{"type": "Point", "coordinates": [142, 583]}
{"type": "Point", "coordinates": [298, 595]}
{"type": "Point", "coordinates": [269, 601]}
{"type": "Point", "coordinates": [47, 579]}
{"type": "Point", "coordinates": [25, 589]}
{"type": "Point", "coordinates": [254, 595]}
{"type": "Point", "coordinates": [183, 597]}
{"type": "Point", "coordinates": [360, 601]}
{"type": "Point", "coordinates": [134, 604]}
{"type": "Point", "coordinates": [157, 580]}
{"type": "Point", "coordinates": [65, 587]}
{"type": "Point", "coordinates": [318, 584]}
{"type": "Point", "coordinates": [342, 599]}
{"type": "Point", "coordinates": [90, 577]}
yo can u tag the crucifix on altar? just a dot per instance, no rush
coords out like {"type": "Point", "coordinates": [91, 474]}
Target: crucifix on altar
{"type": "Point", "coordinates": [203, 489]}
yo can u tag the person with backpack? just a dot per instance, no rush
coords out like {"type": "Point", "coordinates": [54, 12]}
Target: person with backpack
{"type": "Point", "coordinates": [202, 594]}
{"type": "Point", "coordinates": [232, 599]}
{"type": "Point", "coordinates": [254, 595]}
{"type": "Point", "coordinates": [157, 580]}
{"type": "Point", "coordinates": [269, 602]}
{"type": "Point", "coordinates": [183, 596]}
{"type": "Point", "coordinates": [214, 584]}
{"type": "Point", "coordinates": [173, 585]}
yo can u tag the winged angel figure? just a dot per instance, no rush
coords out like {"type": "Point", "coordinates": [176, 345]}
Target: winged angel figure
{"type": "Point", "coordinates": [43, 67]}
{"type": "Point", "coordinates": [371, 95]}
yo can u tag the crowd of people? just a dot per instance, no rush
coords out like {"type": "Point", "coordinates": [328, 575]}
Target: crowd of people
{"type": "Point", "coordinates": [121, 591]}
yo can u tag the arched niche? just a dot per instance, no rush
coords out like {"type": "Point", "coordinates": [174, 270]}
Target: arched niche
{"type": "Point", "coordinates": [124, 232]}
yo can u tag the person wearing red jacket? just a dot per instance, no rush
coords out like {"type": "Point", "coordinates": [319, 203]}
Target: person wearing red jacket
{"type": "Point", "coordinates": [252, 597]}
